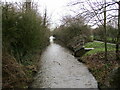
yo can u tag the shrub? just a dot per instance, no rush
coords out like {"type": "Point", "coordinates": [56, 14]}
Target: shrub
{"type": "Point", "coordinates": [23, 32]}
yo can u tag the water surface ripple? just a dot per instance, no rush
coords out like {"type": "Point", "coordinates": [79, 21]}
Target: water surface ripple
{"type": "Point", "coordinates": [60, 69]}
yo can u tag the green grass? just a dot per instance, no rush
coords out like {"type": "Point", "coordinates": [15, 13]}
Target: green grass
{"type": "Point", "coordinates": [98, 47]}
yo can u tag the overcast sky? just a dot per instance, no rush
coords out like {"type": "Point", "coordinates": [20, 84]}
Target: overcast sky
{"type": "Point", "coordinates": [56, 9]}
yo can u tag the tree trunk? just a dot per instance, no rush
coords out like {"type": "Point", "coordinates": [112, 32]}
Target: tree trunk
{"type": "Point", "coordinates": [28, 5]}
{"type": "Point", "coordinates": [45, 18]}
{"type": "Point", "coordinates": [105, 33]}
{"type": "Point", "coordinates": [118, 36]}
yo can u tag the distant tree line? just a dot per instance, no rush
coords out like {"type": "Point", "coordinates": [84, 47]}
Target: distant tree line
{"type": "Point", "coordinates": [73, 27]}
{"type": "Point", "coordinates": [98, 34]}
{"type": "Point", "coordinates": [101, 13]}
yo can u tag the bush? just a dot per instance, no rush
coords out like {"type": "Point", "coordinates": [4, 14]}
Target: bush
{"type": "Point", "coordinates": [23, 32]}
{"type": "Point", "coordinates": [73, 27]}
{"type": "Point", "coordinates": [111, 34]}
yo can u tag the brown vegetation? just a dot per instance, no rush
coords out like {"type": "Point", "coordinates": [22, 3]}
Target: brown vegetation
{"type": "Point", "coordinates": [101, 69]}
{"type": "Point", "coordinates": [23, 38]}
{"type": "Point", "coordinates": [13, 73]}
{"type": "Point", "coordinates": [16, 75]}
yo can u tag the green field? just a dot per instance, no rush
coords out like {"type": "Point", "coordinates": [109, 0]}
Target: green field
{"type": "Point", "coordinates": [98, 47]}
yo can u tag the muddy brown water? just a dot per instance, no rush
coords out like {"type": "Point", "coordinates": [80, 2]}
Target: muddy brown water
{"type": "Point", "coordinates": [60, 69]}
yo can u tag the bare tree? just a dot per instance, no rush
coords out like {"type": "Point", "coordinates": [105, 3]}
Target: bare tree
{"type": "Point", "coordinates": [28, 5]}
{"type": "Point", "coordinates": [99, 13]}
{"type": "Point", "coordinates": [45, 18]}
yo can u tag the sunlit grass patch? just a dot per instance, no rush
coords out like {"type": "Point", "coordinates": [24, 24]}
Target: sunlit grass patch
{"type": "Point", "coordinates": [98, 47]}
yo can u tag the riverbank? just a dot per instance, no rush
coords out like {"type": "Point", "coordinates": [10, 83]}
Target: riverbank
{"type": "Point", "coordinates": [20, 75]}
{"type": "Point", "coordinates": [102, 70]}
{"type": "Point", "coordinates": [17, 75]}
{"type": "Point", "coordinates": [105, 72]}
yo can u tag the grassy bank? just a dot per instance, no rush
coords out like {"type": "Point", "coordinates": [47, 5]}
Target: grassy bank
{"type": "Point", "coordinates": [98, 47]}
{"type": "Point", "coordinates": [103, 71]}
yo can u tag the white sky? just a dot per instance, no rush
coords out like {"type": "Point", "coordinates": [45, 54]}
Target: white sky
{"type": "Point", "coordinates": [56, 9]}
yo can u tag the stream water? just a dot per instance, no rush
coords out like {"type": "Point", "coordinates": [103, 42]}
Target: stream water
{"type": "Point", "coordinates": [60, 69]}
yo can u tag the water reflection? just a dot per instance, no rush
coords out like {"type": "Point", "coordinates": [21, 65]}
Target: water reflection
{"type": "Point", "coordinates": [51, 39]}
{"type": "Point", "coordinates": [59, 69]}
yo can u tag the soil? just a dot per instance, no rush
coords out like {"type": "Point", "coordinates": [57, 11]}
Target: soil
{"type": "Point", "coordinates": [102, 70]}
